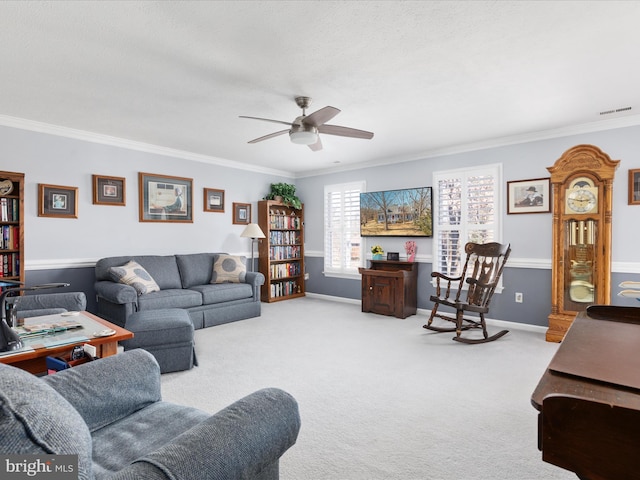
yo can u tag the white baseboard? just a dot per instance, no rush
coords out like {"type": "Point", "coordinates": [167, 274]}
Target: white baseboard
{"type": "Point", "coordinates": [426, 313]}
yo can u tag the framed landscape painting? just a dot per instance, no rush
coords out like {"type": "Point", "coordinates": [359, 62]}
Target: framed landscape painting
{"type": "Point", "coordinates": [396, 213]}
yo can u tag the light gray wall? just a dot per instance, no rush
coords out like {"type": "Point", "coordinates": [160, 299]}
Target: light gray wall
{"type": "Point", "coordinates": [102, 230]}
{"type": "Point", "coordinates": [529, 235]}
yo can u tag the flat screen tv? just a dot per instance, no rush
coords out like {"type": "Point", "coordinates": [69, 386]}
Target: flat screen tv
{"type": "Point", "coordinates": [396, 213]}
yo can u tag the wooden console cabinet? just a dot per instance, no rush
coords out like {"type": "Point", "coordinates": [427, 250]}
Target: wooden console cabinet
{"type": "Point", "coordinates": [390, 288]}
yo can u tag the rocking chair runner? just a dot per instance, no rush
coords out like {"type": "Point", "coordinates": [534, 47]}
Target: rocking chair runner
{"type": "Point", "coordinates": [481, 271]}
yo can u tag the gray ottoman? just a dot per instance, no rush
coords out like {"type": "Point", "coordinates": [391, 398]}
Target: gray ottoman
{"type": "Point", "coordinates": [166, 334]}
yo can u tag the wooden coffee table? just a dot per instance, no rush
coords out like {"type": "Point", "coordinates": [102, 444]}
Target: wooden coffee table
{"type": "Point", "coordinates": [33, 359]}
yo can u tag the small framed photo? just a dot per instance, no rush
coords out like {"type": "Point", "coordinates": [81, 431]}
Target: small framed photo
{"type": "Point", "coordinates": [213, 200]}
{"type": "Point", "coordinates": [634, 187]}
{"type": "Point", "coordinates": [529, 196]}
{"type": "Point", "coordinates": [241, 213]}
{"type": "Point", "coordinates": [164, 198]}
{"type": "Point", "coordinates": [57, 201]}
{"type": "Point", "coordinates": [109, 190]}
{"type": "Point", "coordinates": [393, 256]}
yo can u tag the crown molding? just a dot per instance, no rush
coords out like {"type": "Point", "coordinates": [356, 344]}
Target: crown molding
{"type": "Point", "coordinates": [40, 127]}
{"type": "Point", "coordinates": [597, 126]}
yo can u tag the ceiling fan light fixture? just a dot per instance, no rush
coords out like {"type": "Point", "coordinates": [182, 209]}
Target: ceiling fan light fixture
{"type": "Point", "coordinates": [303, 137]}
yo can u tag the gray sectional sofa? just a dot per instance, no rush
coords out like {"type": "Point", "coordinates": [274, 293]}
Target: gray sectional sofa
{"type": "Point", "coordinates": [184, 281]}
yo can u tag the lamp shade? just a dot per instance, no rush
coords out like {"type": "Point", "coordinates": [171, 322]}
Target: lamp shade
{"type": "Point", "coordinates": [252, 231]}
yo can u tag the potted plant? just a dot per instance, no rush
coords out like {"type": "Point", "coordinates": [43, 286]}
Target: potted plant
{"type": "Point", "coordinates": [377, 251]}
{"type": "Point", "coordinates": [285, 193]}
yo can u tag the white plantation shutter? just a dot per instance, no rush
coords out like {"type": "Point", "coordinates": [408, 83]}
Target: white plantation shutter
{"type": "Point", "coordinates": [466, 209]}
{"type": "Point", "coordinates": [342, 242]}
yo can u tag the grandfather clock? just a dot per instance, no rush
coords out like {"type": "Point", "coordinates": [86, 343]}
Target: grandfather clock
{"type": "Point", "coordinates": [582, 185]}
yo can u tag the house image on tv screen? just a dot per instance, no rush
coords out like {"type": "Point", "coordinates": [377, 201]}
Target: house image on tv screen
{"type": "Point", "coordinates": [396, 213]}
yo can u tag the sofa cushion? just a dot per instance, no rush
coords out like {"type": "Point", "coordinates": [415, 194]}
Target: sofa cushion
{"type": "Point", "coordinates": [195, 268]}
{"type": "Point", "coordinates": [162, 268]}
{"type": "Point", "coordinates": [172, 298]}
{"type": "Point", "coordinates": [225, 292]}
{"type": "Point", "coordinates": [35, 419]}
{"type": "Point", "coordinates": [132, 273]}
{"type": "Point", "coordinates": [229, 269]}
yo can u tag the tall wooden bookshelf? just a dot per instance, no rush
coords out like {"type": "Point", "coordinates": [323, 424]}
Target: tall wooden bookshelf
{"type": "Point", "coordinates": [282, 251]}
{"type": "Point", "coordinates": [11, 226]}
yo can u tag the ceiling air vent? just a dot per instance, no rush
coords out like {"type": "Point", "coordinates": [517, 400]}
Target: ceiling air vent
{"type": "Point", "coordinates": [617, 110]}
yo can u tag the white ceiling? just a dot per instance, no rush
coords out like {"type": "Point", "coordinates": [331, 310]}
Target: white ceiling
{"type": "Point", "coordinates": [426, 77]}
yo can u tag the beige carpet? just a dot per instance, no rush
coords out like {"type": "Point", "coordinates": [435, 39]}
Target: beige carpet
{"type": "Point", "coordinates": [380, 398]}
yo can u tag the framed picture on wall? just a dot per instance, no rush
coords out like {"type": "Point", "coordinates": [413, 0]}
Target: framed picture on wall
{"type": "Point", "coordinates": [241, 213]}
{"type": "Point", "coordinates": [634, 187]}
{"type": "Point", "coordinates": [109, 190]}
{"type": "Point", "coordinates": [213, 200]}
{"type": "Point", "coordinates": [57, 201]}
{"type": "Point", "coordinates": [165, 198]}
{"type": "Point", "coordinates": [529, 196]}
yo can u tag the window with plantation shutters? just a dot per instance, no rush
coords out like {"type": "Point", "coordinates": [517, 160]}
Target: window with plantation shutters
{"type": "Point", "coordinates": [342, 242]}
{"type": "Point", "coordinates": [466, 209]}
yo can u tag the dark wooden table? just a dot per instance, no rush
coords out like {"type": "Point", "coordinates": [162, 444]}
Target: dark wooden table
{"type": "Point", "coordinates": [589, 399]}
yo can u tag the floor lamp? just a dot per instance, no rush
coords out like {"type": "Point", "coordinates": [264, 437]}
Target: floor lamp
{"type": "Point", "coordinates": [254, 232]}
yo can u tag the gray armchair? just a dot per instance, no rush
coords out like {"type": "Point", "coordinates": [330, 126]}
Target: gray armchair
{"type": "Point", "coordinates": [109, 412]}
{"type": "Point", "coordinates": [48, 303]}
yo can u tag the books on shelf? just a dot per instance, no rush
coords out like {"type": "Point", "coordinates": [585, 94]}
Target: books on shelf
{"type": "Point", "coordinates": [283, 270]}
{"type": "Point", "coordinates": [283, 221]}
{"type": "Point", "coordinates": [10, 264]}
{"type": "Point", "coordinates": [284, 237]}
{"type": "Point", "coordinates": [10, 238]}
{"type": "Point", "coordinates": [284, 252]}
{"type": "Point", "coordinates": [9, 208]}
{"type": "Point", "coordinates": [285, 288]}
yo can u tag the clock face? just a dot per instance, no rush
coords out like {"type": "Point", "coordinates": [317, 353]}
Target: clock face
{"type": "Point", "coordinates": [582, 196]}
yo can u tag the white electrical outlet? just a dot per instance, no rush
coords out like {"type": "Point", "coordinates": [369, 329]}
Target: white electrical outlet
{"type": "Point", "coordinates": [519, 297]}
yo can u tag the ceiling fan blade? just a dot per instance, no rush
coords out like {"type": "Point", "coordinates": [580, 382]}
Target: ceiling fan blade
{"type": "Point", "coordinates": [267, 137]}
{"type": "Point", "coordinates": [267, 120]}
{"type": "Point", "coordinates": [345, 131]}
{"type": "Point", "coordinates": [320, 117]}
{"type": "Point", "coordinates": [316, 146]}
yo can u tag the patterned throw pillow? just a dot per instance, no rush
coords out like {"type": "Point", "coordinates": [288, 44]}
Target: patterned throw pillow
{"type": "Point", "coordinates": [132, 273]}
{"type": "Point", "coordinates": [229, 269]}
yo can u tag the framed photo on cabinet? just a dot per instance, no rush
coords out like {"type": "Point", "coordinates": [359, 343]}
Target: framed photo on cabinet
{"type": "Point", "coordinates": [57, 201]}
{"type": "Point", "coordinates": [213, 200]}
{"type": "Point", "coordinates": [529, 196]}
{"type": "Point", "coordinates": [109, 190]}
{"type": "Point", "coordinates": [165, 198]}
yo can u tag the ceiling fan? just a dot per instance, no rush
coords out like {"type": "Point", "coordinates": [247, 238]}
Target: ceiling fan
{"type": "Point", "coordinates": [305, 129]}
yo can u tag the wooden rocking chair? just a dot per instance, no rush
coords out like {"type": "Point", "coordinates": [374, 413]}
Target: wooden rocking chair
{"type": "Point", "coordinates": [481, 271]}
